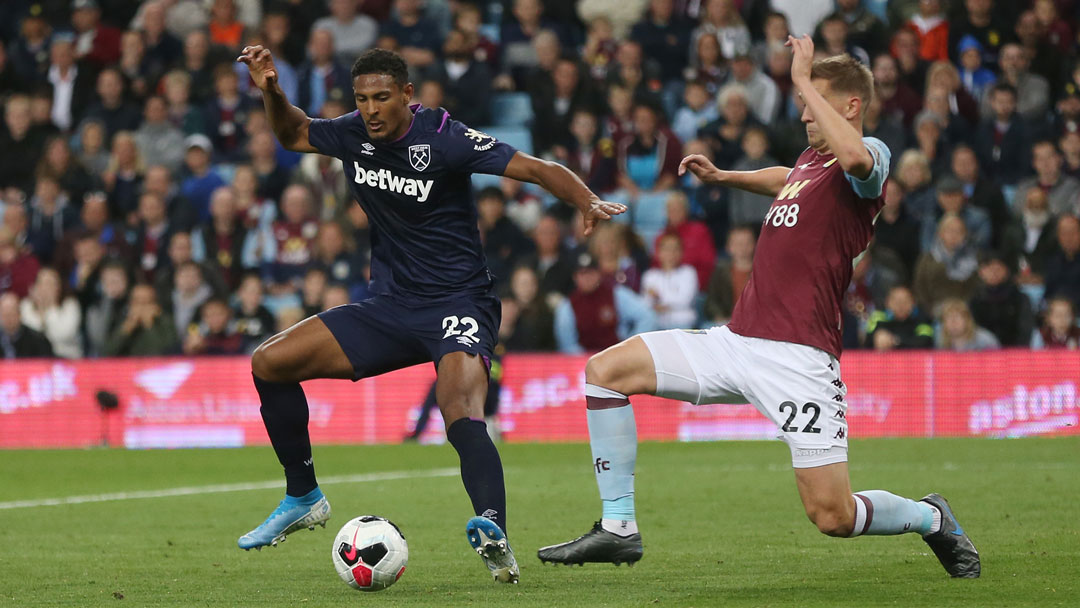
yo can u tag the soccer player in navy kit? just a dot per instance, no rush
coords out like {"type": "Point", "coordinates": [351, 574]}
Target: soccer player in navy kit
{"type": "Point", "coordinates": [409, 169]}
{"type": "Point", "coordinates": [781, 349]}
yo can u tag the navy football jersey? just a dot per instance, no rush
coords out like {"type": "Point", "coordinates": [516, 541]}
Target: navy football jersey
{"type": "Point", "coordinates": [416, 191]}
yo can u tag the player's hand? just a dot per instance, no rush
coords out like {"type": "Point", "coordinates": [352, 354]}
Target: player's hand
{"type": "Point", "coordinates": [600, 210]}
{"type": "Point", "coordinates": [803, 57]}
{"type": "Point", "coordinates": [701, 167]}
{"type": "Point", "coordinates": [261, 65]}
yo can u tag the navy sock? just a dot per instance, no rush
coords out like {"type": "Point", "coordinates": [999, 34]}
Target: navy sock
{"type": "Point", "coordinates": [285, 413]}
{"type": "Point", "coordinates": [481, 468]}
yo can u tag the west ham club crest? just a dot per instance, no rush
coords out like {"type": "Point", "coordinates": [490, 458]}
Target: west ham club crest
{"type": "Point", "coordinates": [420, 156]}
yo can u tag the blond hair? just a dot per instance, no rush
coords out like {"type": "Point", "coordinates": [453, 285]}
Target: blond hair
{"type": "Point", "coordinates": [845, 74]}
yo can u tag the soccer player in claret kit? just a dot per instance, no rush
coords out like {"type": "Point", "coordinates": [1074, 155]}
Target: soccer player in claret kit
{"type": "Point", "coordinates": [780, 352]}
{"type": "Point", "coordinates": [409, 169]}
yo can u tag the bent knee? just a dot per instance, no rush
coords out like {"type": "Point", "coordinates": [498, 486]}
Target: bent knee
{"type": "Point", "coordinates": [599, 370]}
{"type": "Point", "coordinates": [832, 522]}
{"type": "Point", "coordinates": [267, 362]}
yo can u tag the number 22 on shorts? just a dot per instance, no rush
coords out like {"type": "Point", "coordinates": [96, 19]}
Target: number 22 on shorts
{"type": "Point", "coordinates": [451, 323]}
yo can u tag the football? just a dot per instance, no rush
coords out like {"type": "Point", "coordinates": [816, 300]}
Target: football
{"type": "Point", "coordinates": [370, 553]}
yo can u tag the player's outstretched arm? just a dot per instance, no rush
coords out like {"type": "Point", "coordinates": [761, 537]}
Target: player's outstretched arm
{"type": "Point", "coordinates": [768, 181]}
{"type": "Point", "coordinates": [290, 123]}
{"type": "Point", "coordinates": [565, 185]}
{"type": "Point", "coordinates": [843, 139]}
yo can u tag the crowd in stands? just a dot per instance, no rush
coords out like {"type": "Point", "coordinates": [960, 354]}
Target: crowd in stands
{"type": "Point", "coordinates": [147, 208]}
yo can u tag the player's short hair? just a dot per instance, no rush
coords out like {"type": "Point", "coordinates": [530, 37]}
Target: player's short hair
{"type": "Point", "coordinates": [845, 74]}
{"type": "Point", "coordinates": [382, 61]}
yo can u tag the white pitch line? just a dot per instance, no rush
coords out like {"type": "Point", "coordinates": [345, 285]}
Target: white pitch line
{"type": "Point", "coordinates": [220, 488]}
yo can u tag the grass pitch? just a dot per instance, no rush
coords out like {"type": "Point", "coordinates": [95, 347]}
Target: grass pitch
{"type": "Point", "coordinates": [722, 525]}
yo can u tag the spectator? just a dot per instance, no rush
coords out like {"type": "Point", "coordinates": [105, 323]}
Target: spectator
{"type": "Point", "coordinates": [942, 76]}
{"type": "Point", "coordinates": [745, 207]}
{"type": "Point", "coordinates": [272, 177]}
{"type": "Point", "coordinates": [111, 108]}
{"type": "Point", "coordinates": [619, 122]}
{"type": "Point", "coordinates": [47, 310]}
{"type": "Point", "coordinates": [599, 313]}
{"type": "Point", "coordinates": [418, 36]}
{"type": "Point", "coordinates": [649, 159]}
{"type": "Point", "coordinates": [1002, 142]}
{"type": "Point", "coordinates": [898, 99]}
{"type": "Point", "coordinates": [180, 251]}
{"type": "Point", "coordinates": [18, 266]}
{"type": "Point", "coordinates": [158, 140]}
{"type": "Point", "coordinates": [224, 28]}
{"type": "Point", "coordinates": [312, 290]}
{"type": "Point", "coordinates": [664, 37]}
{"type": "Point", "coordinates": [1062, 191]}
{"type": "Point", "coordinates": [162, 48]}
{"type": "Point", "coordinates": [896, 229]}
{"type": "Point", "coordinates": [556, 94]}
{"type": "Point", "coordinates": [182, 114]}
{"type": "Point", "coordinates": [147, 331]}
{"type": "Point", "coordinates": [335, 295]}
{"type": "Point", "coordinates": [225, 114]}
{"type": "Point", "coordinates": [124, 174]}
{"type": "Point", "coordinates": [1056, 30]}
{"type": "Point", "coordinates": [730, 276]}
{"type": "Point", "coordinates": [321, 73]}
{"type": "Point", "coordinates": [182, 215]}
{"type": "Point", "coordinates": [50, 216]}
{"type": "Point", "coordinates": [1043, 57]}
{"type": "Point", "coordinates": [552, 261]}
{"type": "Point", "coordinates": [341, 263]}
{"type": "Point", "coordinates": [530, 325]}
{"type": "Point", "coordinates": [978, 20]}
{"type": "Point", "coordinates": [947, 269]}
{"type": "Point", "coordinates": [900, 325]}
{"type": "Point", "coordinates": [106, 312]}
{"type": "Point", "coordinates": [1059, 329]}
{"type": "Point", "coordinates": [757, 85]}
{"type": "Point", "coordinates": [932, 29]}
{"type": "Point", "coordinates": [618, 255]}
{"type": "Point", "coordinates": [695, 113]}
{"type": "Point", "coordinates": [468, 19]}
{"type": "Point", "coordinates": [201, 180]}
{"type": "Point", "coordinates": [976, 78]}
{"type": "Point", "coordinates": [215, 334]}
{"type": "Point", "coordinates": [29, 51]}
{"type": "Point", "coordinates": [20, 146]}
{"type": "Point", "coordinates": [776, 33]}
{"type": "Point", "coordinates": [707, 65]}
{"type": "Point", "coordinates": [196, 64]}
{"type": "Point", "coordinates": [887, 128]}
{"type": "Point", "coordinates": [1063, 269]}
{"type": "Point", "coordinates": [289, 247]}
{"type": "Point", "coordinates": [959, 331]}
{"type": "Point", "coordinates": [276, 35]}
{"type": "Point", "coordinates": [865, 29]}
{"type": "Point", "coordinates": [219, 243]}
{"type": "Point", "coordinates": [467, 80]}
{"type": "Point", "coordinates": [92, 152]}
{"type": "Point", "coordinates": [721, 21]}
{"type": "Point", "coordinates": [600, 48]}
{"type": "Point", "coordinates": [17, 341]}
{"type": "Point", "coordinates": [1067, 123]}
{"type": "Point", "coordinates": [636, 72]}
{"type": "Point", "coordinates": [1030, 241]}
{"type": "Point", "coordinates": [504, 243]}
{"type": "Point", "coordinates": [72, 83]}
{"type": "Point", "coordinates": [97, 43]}
{"type": "Point", "coordinates": [999, 306]}
{"type": "Point", "coordinates": [671, 287]}
{"type": "Point", "coordinates": [255, 212]}
{"type": "Point", "coordinates": [724, 134]}
{"type": "Point", "coordinates": [951, 200]}
{"type": "Point", "coordinates": [589, 155]}
{"type": "Point", "coordinates": [151, 234]}
{"type": "Point", "coordinates": [57, 163]}
{"type": "Point", "coordinates": [832, 33]}
{"type": "Point", "coordinates": [189, 292]}
{"type": "Point", "coordinates": [353, 33]}
{"type": "Point", "coordinates": [134, 67]}
{"type": "Point", "coordinates": [85, 275]}
{"type": "Point", "coordinates": [253, 321]}
{"type": "Point", "coordinates": [699, 250]}
{"type": "Point", "coordinates": [979, 190]}
{"type": "Point", "coordinates": [1033, 92]}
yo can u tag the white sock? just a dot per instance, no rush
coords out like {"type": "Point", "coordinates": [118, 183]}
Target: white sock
{"type": "Point", "coordinates": [620, 527]}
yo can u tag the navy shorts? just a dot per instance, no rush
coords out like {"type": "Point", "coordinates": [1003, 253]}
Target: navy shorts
{"type": "Point", "coordinates": [386, 332]}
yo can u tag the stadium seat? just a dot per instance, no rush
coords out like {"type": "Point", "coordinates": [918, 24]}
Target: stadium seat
{"type": "Point", "coordinates": [519, 137]}
{"type": "Point", "coordinates": [650, 216]}
{"type": "Point", "coordinates": [511, 109]}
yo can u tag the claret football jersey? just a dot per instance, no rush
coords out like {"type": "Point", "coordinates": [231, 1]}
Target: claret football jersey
{"type": "Point", "coordinates": [821, 220]}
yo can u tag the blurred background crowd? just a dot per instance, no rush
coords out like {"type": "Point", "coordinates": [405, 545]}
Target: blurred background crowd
{"type": "Point", "coordinates": [147, 208]}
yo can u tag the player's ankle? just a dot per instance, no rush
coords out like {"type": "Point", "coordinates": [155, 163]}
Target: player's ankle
{"type": "Point", "coordinates": [619, 527]}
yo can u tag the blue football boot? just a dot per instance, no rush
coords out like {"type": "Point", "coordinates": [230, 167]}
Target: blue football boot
{"type": "Point", "coordinates": [291, 514]}
{"type": "Point", "coordinates": [487, 538]}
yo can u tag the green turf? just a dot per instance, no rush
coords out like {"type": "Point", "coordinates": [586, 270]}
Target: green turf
{"type": "Point", "coordinates": [722, 523]}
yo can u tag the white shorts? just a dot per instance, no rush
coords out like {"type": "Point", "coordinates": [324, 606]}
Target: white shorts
{"type": "Point", "coordinates": [798, 387]}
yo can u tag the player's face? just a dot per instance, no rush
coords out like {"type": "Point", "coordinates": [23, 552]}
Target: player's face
{"type": "Point", "coordinates": [384, 105]}
{"type": "Point", "coordinates": [843, 103]}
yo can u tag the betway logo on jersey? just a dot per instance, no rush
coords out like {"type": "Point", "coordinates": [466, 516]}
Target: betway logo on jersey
{"type": "Point", "coordinates": [383, 179]}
